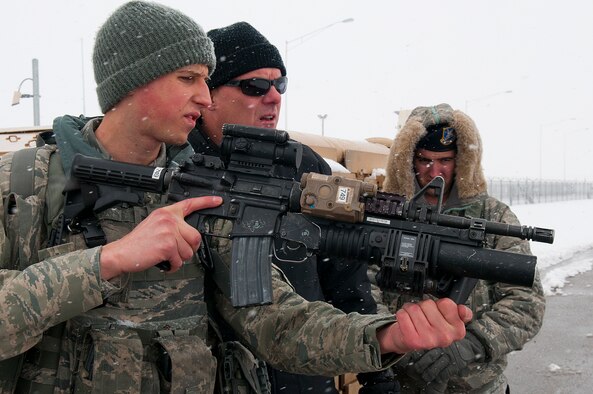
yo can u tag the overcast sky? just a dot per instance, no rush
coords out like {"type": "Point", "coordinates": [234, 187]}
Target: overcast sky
{"type": "Point", "coordinates": [395, 55]}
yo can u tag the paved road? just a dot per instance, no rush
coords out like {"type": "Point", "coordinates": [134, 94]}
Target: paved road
{"type": "Point", "coordinates": [559, 360]}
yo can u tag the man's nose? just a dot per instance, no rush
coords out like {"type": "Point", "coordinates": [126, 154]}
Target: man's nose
{"type": "Point", "coordinates": [201, 95]}
{"type": "Point", "coordinates": [435, 169]}
{"type": "Point", "coordinates": [273, 96]}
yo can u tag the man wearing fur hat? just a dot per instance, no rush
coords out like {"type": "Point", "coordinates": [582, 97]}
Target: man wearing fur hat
{"type": "Point", "coordinates": [440, 141]}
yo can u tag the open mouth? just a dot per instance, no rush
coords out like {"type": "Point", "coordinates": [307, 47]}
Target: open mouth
{"type": "Point", "coordinates": [193, 117]}
{"type": "Point", "coordinates": [268, 120]}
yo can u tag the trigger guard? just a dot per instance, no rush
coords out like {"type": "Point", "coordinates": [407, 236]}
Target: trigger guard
{"type": "Point", "coordinates": [292, 256]}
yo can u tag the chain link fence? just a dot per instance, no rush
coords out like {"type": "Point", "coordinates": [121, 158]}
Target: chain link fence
{"type": "Point", "coordinates": [530, 191]}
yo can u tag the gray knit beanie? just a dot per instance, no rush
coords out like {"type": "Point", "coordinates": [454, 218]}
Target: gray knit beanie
{"type": "Point", "coordinates": [142, 41]}
{"type": "Point", "coordinates": [239, 49]}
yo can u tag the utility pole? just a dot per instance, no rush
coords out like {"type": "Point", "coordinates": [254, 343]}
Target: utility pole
{"type": "Point", "coordinates": [16, 97]}
{"type": "Point", "coordinates": [322, 117]}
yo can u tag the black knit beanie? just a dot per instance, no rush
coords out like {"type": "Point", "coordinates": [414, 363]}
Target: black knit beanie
{"type": "Point", "coordinates": [439, 138]}
{"type": "Point", "coordinates": [437, 120]}
{"type": "Point", "coordinates": [142, 41]}
{"type": "Point", "coordinates": [239, 49]}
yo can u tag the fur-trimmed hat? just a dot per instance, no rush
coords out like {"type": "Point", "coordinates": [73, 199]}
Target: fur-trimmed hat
{"type": "Point", "coordinates": [239, 49]}
{"type": "Point", "coordinates": [142, 41]}
{"type": "Point", "coordinates": [469, 176]}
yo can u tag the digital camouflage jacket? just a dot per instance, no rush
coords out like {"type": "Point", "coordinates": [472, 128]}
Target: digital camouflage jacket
{"type": "Point", "coordinates": [145, 332]}
{"type": "Point", "coordinates": [505, 316]}
{"type": "Point", "coordinates": [342, 283]}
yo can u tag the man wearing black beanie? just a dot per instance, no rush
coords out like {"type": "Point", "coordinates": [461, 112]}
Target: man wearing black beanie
{"type": "Point", "coordinates": [247, 86]}
{"type": "Point", "coordinates": [246, 89]}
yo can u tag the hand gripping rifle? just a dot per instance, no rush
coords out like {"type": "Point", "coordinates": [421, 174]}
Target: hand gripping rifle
{"type": "Point", "coordinates": [418, 249]}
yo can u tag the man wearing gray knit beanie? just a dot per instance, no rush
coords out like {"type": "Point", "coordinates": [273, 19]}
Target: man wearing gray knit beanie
{"type": "Point", "coordinates": [141, 42]}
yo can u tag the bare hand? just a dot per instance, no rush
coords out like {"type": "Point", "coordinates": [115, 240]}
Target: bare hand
{"type": "Point", "coordinates": [162, 236]}
{"type": "Point", "coordinates": [425, 325]}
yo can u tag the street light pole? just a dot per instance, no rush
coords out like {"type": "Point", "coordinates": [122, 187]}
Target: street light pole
{"type": "Point", "coordinates": [301, 40]}
{"type": "Point", "coordinates": [322, 117]}
{"type": "Point", "coordinates": [485, 97]}
{"type": "Point", "coordinates": [36, 92]}
{"type": "Point", "coordinates": [16, 97]}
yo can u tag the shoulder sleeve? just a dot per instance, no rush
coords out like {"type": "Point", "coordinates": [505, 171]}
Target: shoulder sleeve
{"type": "Point", "coordinates": [515, 313]}
{"type": "Point", "coordinates": [311, 338]}
{"type": "Point", "coordinates": [45, 294]}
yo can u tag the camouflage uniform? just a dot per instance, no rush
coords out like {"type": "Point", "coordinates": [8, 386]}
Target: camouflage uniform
{"type": "Point", "coordinates": [505, 316]}
{"type": "Point", "coordinates": [143, 332]}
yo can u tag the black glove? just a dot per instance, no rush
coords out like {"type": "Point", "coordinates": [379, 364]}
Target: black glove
{"type": "Point", "coordinates": [439, 365]}
{"type": "Point", "coordinates": [382, 382]}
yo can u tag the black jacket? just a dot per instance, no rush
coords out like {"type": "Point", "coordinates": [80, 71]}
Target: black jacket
{"type": "Point", "coordinates": [342, 283]}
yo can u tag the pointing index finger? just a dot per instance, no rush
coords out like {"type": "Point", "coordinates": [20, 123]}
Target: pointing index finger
{"type": "Point", "coordinates": [190, 205]}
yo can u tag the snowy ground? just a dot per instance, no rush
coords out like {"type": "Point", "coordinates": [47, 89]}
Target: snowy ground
{"type": "Point", "coordinates": [573, 222]}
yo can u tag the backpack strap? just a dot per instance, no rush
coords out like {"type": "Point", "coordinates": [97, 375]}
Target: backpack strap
{"type": "Point", "coordinates": [28, 180]}
{"type": "Point", "coordinates": [27, 166]}
{"type": "Point", "coordinates": [22, 175]}
{"type": "Point", "coordinates": [25, 174]}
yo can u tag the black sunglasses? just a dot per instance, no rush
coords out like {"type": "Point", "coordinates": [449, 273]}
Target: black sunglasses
{"type": "Point", "coordinates": [260, 86]}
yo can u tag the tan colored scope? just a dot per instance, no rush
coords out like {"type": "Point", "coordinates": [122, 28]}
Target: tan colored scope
{"type": "Point", "coordinates": [335, 197]}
